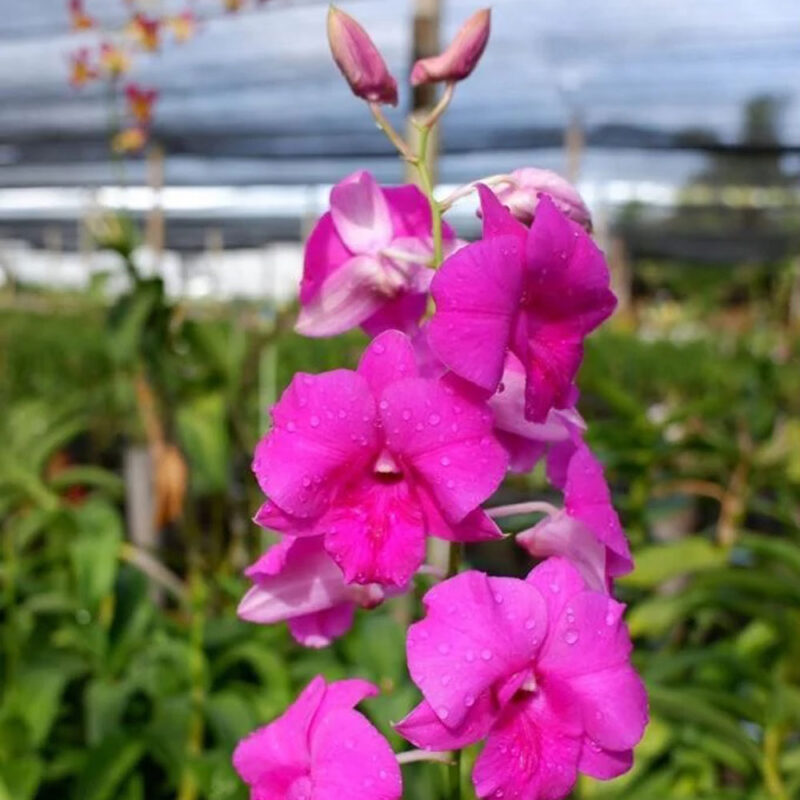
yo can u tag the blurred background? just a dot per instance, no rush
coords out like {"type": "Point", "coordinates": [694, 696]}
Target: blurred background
{"type": "Point", "coordinates": [149, 259]}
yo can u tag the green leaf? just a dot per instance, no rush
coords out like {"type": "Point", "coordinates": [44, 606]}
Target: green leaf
{"type": "Point", "coordinates": [20, 778]}
{"type": "Point", "coordinates": [94, 551]}
{"type": "Point", "coordinates": [34, 698]}
{"type": "Point", "coordinates": [658, 563]}
{"type": "Point", "coordinates": [107, 765]}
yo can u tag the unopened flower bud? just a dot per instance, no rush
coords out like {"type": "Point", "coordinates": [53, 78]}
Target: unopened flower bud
{"type": "Point", "coordinates": [522, 196]}
{"type": "Point", "coordinates": [359, 59]}
{"type": "Point", "coordinates": [461, 57]}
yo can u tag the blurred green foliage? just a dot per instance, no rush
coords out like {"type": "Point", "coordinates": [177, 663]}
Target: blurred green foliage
{"type": "Point", "coordinates": [693, 404]}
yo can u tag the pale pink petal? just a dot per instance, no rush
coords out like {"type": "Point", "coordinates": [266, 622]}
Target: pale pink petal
{"type": "Point", "coordinates": [352, 760]}
{"type": "Point", "coordinates": [361, 214]}
{"type": "Point", "coordinates": [323, 429]}
{"type": "Point", "coordinates": [562, 535]}
{"type": "Point", "coordinates": [424, 729]}
{"type": "Point", "coordinates": [350, 295]}
{"type": "Point", "coordinates": [477, 292]}
{"type": "Point", "coordinates": [387, 358]}
{"type": "Point", "coordinates": [320, 628]}
{"type": "Point", "coordinates": [532, 753]}
{"type": "Point", "coordinates": [523, 454]}
{"type": "Point", "coordinates": [603, 764]}
{"type": "Point", "coordinates": [587, 499]}
{"type": "Point", "coordinates": [274, 756]}
{"type": "Point", "coordinates": [325, 251]}
{"type": "Point", "coordinates": [446, 438]}
{"type": "Point", "coordinates": [375, 532]}
{"type": "Point", "coordinates": [293, 578]}
{"type": "Point", "coordinates": [477, 631]}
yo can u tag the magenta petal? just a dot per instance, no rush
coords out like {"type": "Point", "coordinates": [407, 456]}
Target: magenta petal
{"type": "Point", "coordinates": [325, 252]}
{"type": "Point", "coordinates": [401, 313]}
{"type": "Point", "coordinates": [273, 757]}
{"type": "Point", "coordinates": [352, 760]}
{"type": "Point", "coordinates": [477, 630]}
{"type": "Point", "coordinates": [376, 534]}
{"type": "Point", "coordinates": [320, 628]}
{"type": "Point", "coordinates": [323, 428]}
{"type": "Point", "coordinates": [424, 729]}
{"type": "Point", "coordinates": [558, 581]}
{"type": "Point", "coordinates": [360, 213]}
{"type": "Point", "coordinates": [587, 498]}
{"type": "Point", "coordinates": [603, 764]}
{"type": "Point", "coordinates": [477, 292]}
{"type": "Point", "coordinates": [590, 623]}
{"type": "Point", "coordinates": [345, 694]}
{"type": "Point", "coordinates": [292, 579]}
{"type": "Point", "coordinates": [561, 535]}
{"type": "Point", "coordinates": [347, 297]}
{"type": "Point", "coordinates": [477, 526]}
{"type": "Point", "coordinates": [614, 705]}
{"type": "Point", "coordinates": [446, 437]}
{"type": "Point", "coordinates": [497, 219]}
{"type": "Point", "coordinates": [545, 753]}
{"type": "Point", "coordinates": [388, 358]}
{"type": "Point", "coordinates": [271, 517]}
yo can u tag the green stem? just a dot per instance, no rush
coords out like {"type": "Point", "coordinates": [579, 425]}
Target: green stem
{"type": "Point", "coordinates": [9, 599]}
{"type": "Point", "coordinates": [426, 179]}
{"type": "Point", "coordinates": [773, 740]}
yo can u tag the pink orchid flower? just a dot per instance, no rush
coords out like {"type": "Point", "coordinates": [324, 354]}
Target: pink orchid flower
{"type": "Point", "coordinates": [297, 581]}
{"type": "Point", "coordinates": [320, 749]}
{"type": "Point", "coordinates": [537, 292]}
{"type": "Point", "coordinates": [530, 184]}
{"type": "Point", "coordinates": [374, 460]}
{"type": "Point", "coordinates": [539, 668]}
{"type": "Point", "coordinates": [366, 260]}
{"type": "Point", "coordinates": [587, 530]}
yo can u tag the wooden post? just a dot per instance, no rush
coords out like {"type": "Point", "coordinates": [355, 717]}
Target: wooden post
{"type": "Point", "coordinates": [155, 219]}
{"type": "Point", "coordinates": [425, 42]}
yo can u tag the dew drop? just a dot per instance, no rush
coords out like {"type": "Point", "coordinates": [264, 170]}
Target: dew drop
{"type": "Point", "coordinates": [444, 648]}
{"type": "Point", "coordinates": [555, 588]}
{"type": "Point", "coordinates": [384, 404]}
{"type": "Point", "coordinates": [486, 655]}
{"type": "Point", "coordinates": [291, 427]}
{"type": "Point", "coordinates": [406, 414]}
{"type": "Point", "coordinates": [314, 421]}
{"type": "Point", "coordinates": [444, 461]}
{"type": "Point", "coordinates": [498, 598]}
{"type": "Point", "coordinates": [530, 624]}
{"type": "Point", "coordinates": [469, 656]}
{"type": "Point", "coordinates": [444, 713]}
{"type": "Point", "coordinates": [610, 618]}
{"type": "Point", "coordinates": [446, 680]}
{"type": "Point", "coordinates": [469, 701]}
{"type": "Point", "coordinates": [434, 419]}
{"type": "Point", "coordinates": [451, 484]}
{"type": "Point", "coordinates": [571, 636]}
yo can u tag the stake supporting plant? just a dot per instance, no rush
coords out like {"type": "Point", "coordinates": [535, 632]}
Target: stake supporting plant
{"type": "Point", "coordinates": [469, 375]}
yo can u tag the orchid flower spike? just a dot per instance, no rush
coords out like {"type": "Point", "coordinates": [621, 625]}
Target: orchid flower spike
{"type": "Point", "coordinates": [462, 55]}
{"type": "Point", "coordinates": [359, 59]}
{"type": "Point", "coordinates": [320, 749]}
{"type": "Point", "coordinates": [539, 669]}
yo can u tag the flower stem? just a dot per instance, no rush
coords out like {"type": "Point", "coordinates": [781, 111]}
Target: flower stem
{"type": "Point", "coordinates": [426, 179]}
{"type": "Point", "coordinates": [534, 507]}
{"type": "Point", "coordinates": [411, 756]}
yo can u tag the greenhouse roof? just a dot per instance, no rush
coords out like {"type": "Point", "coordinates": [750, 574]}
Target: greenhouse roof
{"type": "Point", "coordinates": [254, 99]}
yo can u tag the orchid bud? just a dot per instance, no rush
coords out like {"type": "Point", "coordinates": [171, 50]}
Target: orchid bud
{"type": "Point", "coordinates": [359, 60]}
{"type": "Point", "coordinates": [529, 183]}
{"type": "Point", "coordinates": [461, 57]}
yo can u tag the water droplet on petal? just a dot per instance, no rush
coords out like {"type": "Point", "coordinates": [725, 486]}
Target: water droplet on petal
{"type": "Point", "coordinates": [444, 461]}
{"type": "Point", "coordinates": [610, 618]}
{"type": "Point", "coordinates": [469, 656]}
{"type": "Point", "coordinates": [406, 414]}
{"type": "Point", "coordinates": [571, 636]}
{"type": "Point", "coordinates": [291, 427]}
{"type": "Point", "coordinates": [530, 624]}
{"type": "Point", "coordinates": [469, 701]}
{"type": "Point", "coordinates": [434, 419]}
{"type": "Point", "coordinates": [444, 648]}
{"type": "Point", "coordinates": [314, 421]}
{"type": "Point", "coordinates": [486, 655]}
{"type": "Point", "coordinates": [384, 404]}
{"type": "Point", "coordinates": [443, 713]}
{"type": "Point", "coordinates": [555, 588]}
